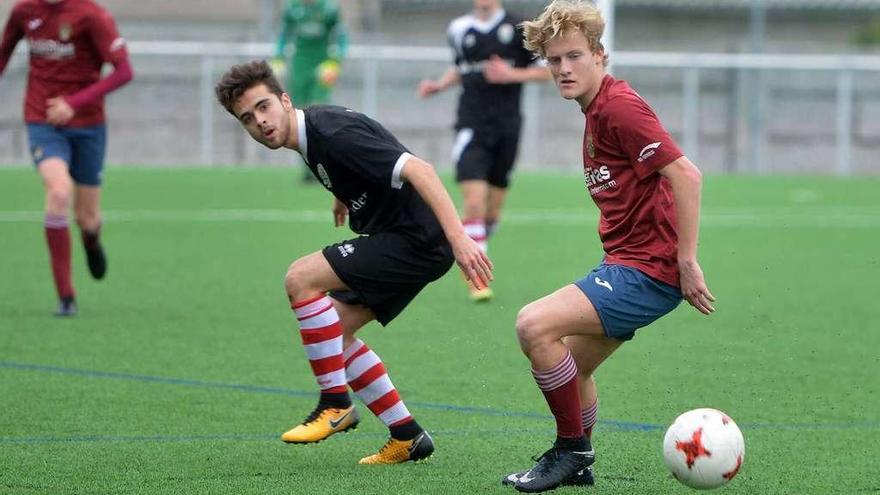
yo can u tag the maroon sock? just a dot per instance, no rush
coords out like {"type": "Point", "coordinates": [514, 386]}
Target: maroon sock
{"type": "Point", "coordinates": [58, 239]}
{"type": "Point", "coordinates": [559, 385]}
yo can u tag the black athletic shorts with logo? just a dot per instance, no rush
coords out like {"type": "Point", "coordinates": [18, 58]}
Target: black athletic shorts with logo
{"type": "Point", "coordinates": [385, 271]}
{"type": "Point", "coordinates": [487, 155]}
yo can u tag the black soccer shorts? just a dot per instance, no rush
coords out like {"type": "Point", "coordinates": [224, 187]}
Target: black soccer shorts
{"type": "Point", "coordinates": [485, 155]}
{"type": "Point", "coordinates": [385, 271]}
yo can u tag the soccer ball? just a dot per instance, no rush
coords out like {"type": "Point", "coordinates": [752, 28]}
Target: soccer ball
{"type": "Point", "coordinates": [703, 448]}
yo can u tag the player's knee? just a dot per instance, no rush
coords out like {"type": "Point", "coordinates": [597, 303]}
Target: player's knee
{"type": "Point", "coordinates": [529, 330]}
{"type": "Point", "coordinates": [58, 197]}
{"type": "Point", "coordinates": [296, 280]}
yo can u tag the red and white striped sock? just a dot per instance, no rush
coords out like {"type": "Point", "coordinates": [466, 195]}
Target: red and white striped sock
{"type": "Point", "coordinates": [368, 379]}
{"type": "Point", "coordinates": [588, 418]}
{"type": "Point", "coordinates": [476, 230]}
{"type": "Point", "coordinates": [321, 335]}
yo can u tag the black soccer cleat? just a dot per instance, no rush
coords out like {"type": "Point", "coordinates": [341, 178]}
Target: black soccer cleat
{"type": "Point", "coordinates": [96, 260]}
{"type": "Point", "coordinates": [66, 308]}
{"type": "Point", "coordinates": [553, 469]}
{"type": "Point", "coordinates": [581, 478]}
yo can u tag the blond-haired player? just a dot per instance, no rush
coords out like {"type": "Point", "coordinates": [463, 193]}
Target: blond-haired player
{"type": "Point", "coordinates": [648, 194]}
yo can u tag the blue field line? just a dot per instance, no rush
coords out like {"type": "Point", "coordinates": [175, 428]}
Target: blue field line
{"type": "Point", "coordinates": [248, 437]}
{"type": "Point", "coordinates": [487, 411]}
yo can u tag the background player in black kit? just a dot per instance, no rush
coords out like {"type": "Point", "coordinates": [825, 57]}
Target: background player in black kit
{"type": "Point", "coordinates": [491, 64]}
{"type": "Point", "coordinates": [410, 236]}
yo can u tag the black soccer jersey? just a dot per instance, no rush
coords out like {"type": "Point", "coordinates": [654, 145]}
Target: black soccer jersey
{"type": "Point", "coordinates": [483, 105]}
{"type": "Point", "coordinates": [360, 162]}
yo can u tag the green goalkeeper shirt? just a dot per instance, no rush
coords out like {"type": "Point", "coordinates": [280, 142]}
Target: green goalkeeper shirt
{"type": "Point", "coordinates": [311, 30]}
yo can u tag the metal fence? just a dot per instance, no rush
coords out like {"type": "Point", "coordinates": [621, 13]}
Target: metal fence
{"type": "Point", "coordinates": [737, 113]}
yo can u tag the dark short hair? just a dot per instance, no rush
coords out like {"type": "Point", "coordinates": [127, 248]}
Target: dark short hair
{"type": "Point", "coordinates": [240, 78]}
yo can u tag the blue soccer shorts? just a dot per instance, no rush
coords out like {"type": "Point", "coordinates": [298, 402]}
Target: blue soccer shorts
{"type": "Point", "coordinates": [627, 299]}
{"type": "Point", "coordinates": [82, 148]}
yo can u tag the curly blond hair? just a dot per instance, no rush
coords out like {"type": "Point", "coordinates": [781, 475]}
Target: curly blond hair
{"type": "Point", "coordinates": [561, 16]}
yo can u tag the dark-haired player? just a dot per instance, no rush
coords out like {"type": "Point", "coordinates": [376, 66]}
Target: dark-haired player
{"type": "Point", "coordinates": [409, 236]}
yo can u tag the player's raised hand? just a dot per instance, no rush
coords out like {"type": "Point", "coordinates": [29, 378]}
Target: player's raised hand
{"type": "Point", "coordinates": [340, 211]}
{"type": "Point", "coordinates": [474, 263]}
{"type": "Point", "coordinates": [498, 71]}
{"type": "Point", "coordinates": [428, 87]}
{"type": "Point", "coordinates": [693, 287]}
{"type": "Point", "coordinates": [58, 111]}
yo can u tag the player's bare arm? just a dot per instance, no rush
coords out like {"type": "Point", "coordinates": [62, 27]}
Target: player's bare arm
{"type": "Point", "coordinates": [471, 259]}
{"type": "Point", "coordinates": [499, 71]}
{"type": "Point", "coordinates": [430, 87]}
{"type": "Point", "coordinates": [686, 181]}
{"type": "Point", "coordinates": [340, 212]}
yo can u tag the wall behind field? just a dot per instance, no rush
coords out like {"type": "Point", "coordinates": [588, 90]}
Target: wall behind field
{"type": "Point", "coordinates": [163, 104]}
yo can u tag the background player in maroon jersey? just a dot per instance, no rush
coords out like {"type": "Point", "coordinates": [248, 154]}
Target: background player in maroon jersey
{"type": "Point", "coordinates": [648, 194]}
{"type": "Point", "coordinates": [491, 65]}
{"type": "Point", "coordinates": [69, 41]}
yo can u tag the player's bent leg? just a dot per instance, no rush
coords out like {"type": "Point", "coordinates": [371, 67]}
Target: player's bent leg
{"type": "Point", "coordinates": [307, 281]}
{"type": "Point", "coordinates": [541, 326]}
{"type": "Point", "coordinates": [59, 187]}
{"type": "Point", "coordinates": [87, 210]}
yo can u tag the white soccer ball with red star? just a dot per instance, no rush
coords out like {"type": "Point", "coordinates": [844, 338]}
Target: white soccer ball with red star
{"type": "Point", "coordinates": [704, 448]}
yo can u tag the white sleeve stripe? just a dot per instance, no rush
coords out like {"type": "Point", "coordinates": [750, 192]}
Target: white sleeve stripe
{"type": "Point", "coordinates": [396, 182]}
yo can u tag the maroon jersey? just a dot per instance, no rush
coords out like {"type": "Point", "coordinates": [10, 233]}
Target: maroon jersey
{"type": "Point", "coordinates": [624, 147]}
{"type": "Point", "coordinates": [68, 42]}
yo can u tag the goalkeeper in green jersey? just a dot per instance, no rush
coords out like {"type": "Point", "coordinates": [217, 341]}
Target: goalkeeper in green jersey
{"type": "Point", "coordinates": [314, 41]}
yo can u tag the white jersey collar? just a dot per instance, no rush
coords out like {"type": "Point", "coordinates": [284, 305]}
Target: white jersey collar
{"type": "Point", "coordinates": [486, 26]}
{"type": "Point", "coordinates": [302, 140]}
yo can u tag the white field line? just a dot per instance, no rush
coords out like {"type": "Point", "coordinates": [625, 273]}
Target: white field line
{"type": "Point", "coordinates": [834, 217]}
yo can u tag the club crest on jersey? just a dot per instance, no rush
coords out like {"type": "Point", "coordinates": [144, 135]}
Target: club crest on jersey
{"type": "Point", "coordinates": [591, 149]}
{"type": "Point", "coordinates": [470, 40]}
{"type": "Point", "coordinates": [505, 33]}
{"type": "Point", "coordinates": [325, 179]}
{"type": "Point", "coordinates": [64, 32]}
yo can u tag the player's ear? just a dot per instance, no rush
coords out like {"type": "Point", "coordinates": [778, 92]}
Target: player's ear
{"type": "Point", "coordinates": [286, 103]}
